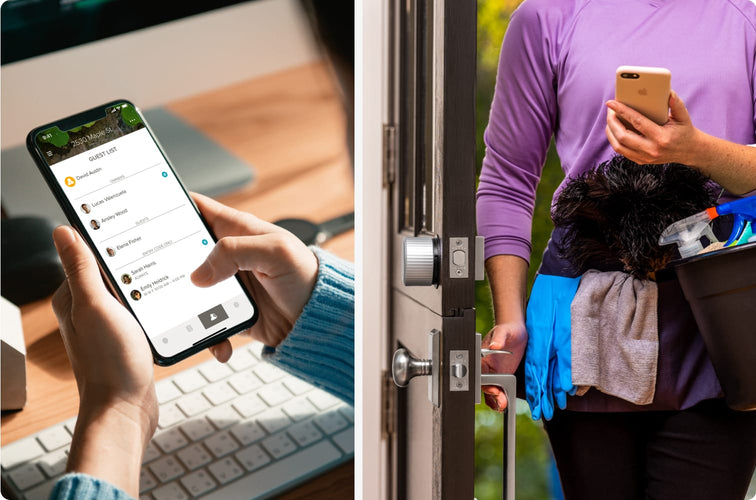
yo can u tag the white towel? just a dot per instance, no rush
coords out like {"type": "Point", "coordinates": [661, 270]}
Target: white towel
{"type": "Point", "coordinates": [615, 336]}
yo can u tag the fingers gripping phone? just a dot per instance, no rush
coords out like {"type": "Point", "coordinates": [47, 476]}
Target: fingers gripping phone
{"type": "Point", "coordinates": [646, 90]}
{"type": "Point", "coordinates": [118, 190]}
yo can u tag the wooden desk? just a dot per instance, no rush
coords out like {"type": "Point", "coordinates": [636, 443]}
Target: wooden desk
{"type": "Point", "coordinates": [291, 127]}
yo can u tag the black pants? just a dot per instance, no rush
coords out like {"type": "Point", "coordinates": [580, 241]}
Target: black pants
{"type": "Point", "coordinates": [706, 452]}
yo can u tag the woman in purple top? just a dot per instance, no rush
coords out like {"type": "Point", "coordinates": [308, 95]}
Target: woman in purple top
{"type": "Point", "coordinates": [556, 74]}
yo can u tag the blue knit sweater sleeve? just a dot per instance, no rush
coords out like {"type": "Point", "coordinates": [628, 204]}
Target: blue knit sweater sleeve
{"type": "Point", "coordinates": [77, 486]}
{"type": "Point", "coordinates": [320, 347]}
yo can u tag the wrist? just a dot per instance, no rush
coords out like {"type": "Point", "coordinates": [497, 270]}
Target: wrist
{"type": "Point", "coordinates": [139, 411]}
{"type": "Point", "coordinates": [133, 423]}
{"type": "Point", "coordinates": [507, 276]}
{"type": "Point", "coordinates": [509, 308]}
{"type": "Point", "coordinates": [117, 430]}
{"type": "Point", "coordinates": [698, 151]}
{"type": "Point", "coordinates": [509, 312]}
{"type": "Point", "coordinates": [516, 332]}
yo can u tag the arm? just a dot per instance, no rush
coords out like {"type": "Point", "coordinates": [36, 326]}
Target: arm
{"type": "Point", "coordinates": [733, 166]}
{"type": "Point", "coordinates": [523, 117]}
{"type": "Point", "coordinates": [117, 432]}
{"type": "Point", "coordinates": [518, 134]}
{"type": "Point", "coordinates": [507, 275]}
{"type": "Point", "coordinates": [112, 364]}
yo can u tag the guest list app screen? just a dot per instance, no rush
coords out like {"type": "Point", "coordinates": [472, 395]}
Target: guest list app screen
{"type": "Point", "coordinates": [144, 227]}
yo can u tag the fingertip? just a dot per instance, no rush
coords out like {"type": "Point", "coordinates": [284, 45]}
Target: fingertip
{"type": "Point", "coordinates": [491, 341]}
{"type": "Point", "coordinates": [202, 275]}
{"type": "Point", "coordinates": [198, 198]}
{"type": "Point", "coordinates": [675, 100]}
{"type": "Point", "coordinates": [63, 237]}
{"type": "Point", "coordinates": [222, 351]}
{"type": "Point", "coordinates": [491, 401]}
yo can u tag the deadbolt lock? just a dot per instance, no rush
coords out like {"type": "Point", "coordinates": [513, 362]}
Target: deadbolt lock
{"type": "Point", "coordinates": [421, 261]}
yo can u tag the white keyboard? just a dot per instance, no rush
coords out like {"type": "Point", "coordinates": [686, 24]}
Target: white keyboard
{"type": "Point", "coordinates": [244, 429]}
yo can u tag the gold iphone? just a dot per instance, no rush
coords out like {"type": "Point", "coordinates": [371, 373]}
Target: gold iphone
{"type": "Point", "coordinates": [645, 89]}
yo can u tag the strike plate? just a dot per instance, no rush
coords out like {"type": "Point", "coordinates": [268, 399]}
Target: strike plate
{"type": "Point", "coordinates": [459, 258]}
{"type": "Point", "coordinates": [459, 371]}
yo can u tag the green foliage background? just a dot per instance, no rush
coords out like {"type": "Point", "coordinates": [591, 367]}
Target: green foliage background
{"type": "Point", "coordinates": [532, 449]}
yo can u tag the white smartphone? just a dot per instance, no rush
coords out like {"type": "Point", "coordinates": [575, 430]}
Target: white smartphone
{"type": "Point", "coordinates": [645, 89]}
{"type": "Point", "coordinates": [115, 185]}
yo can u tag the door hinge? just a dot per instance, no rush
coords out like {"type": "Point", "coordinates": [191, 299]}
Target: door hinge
{"type": "Point", "coordinates": [388, 405]}
{"type": "Point", "coordinates": [389, 154]}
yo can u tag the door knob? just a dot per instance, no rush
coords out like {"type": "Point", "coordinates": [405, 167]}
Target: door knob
{"type": "Point", "coordinates": [421, 261]}
{"type": "Point", "coordinates": [404, 367]}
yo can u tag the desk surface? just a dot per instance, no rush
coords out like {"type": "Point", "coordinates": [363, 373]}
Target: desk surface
{"type": "Point", "coordinates": [291, 127]}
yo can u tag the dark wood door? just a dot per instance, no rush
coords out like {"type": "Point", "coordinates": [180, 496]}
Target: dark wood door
{"type": "Point", "coordinates": [431, 129]}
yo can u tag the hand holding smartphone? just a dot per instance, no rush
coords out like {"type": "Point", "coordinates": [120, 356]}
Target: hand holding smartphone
{"type": "Point", "coordinates": [646, 90]}
{"type": "Point", "coordinates": [118, 190]}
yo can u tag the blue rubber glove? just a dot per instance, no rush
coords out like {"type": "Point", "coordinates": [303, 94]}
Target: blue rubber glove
{"type": "Point", "coordinates": [548, 373]}
{"type": "Point", "coordinates": [539, 321]}
{"type": "Point", "coordinates": [562, 345]}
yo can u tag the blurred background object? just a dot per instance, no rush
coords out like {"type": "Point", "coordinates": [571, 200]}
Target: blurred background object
{"type": "Point", "coordinates": [12, 358]}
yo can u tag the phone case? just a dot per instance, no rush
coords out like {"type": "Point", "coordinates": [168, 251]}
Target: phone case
{"type": "Point", "coordinates": [645, 89]}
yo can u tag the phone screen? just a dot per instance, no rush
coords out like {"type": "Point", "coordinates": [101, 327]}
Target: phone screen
{"type": "Point", "coordinates": [144, 228]}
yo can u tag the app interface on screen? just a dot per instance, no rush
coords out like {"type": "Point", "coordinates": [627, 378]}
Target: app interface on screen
{"type": "Point", "coordinates": [144, 227]}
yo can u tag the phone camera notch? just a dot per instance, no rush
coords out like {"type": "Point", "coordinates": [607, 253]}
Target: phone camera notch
{"type": "Point", "coordinates": [632, 76]}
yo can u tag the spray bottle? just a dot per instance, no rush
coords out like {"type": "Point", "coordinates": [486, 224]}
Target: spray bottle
{"type": "Point", "coordinates": [687, 232]}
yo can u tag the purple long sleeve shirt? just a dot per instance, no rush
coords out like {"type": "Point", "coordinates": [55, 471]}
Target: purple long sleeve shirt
{"type": "Point", "coordinates": [556, 72]}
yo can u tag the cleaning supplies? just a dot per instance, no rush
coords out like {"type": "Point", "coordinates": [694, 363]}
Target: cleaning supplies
{"type": "Point", "coordinates": [721, 290]}
{"type": "Point", "coordinates": [687, 233]}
